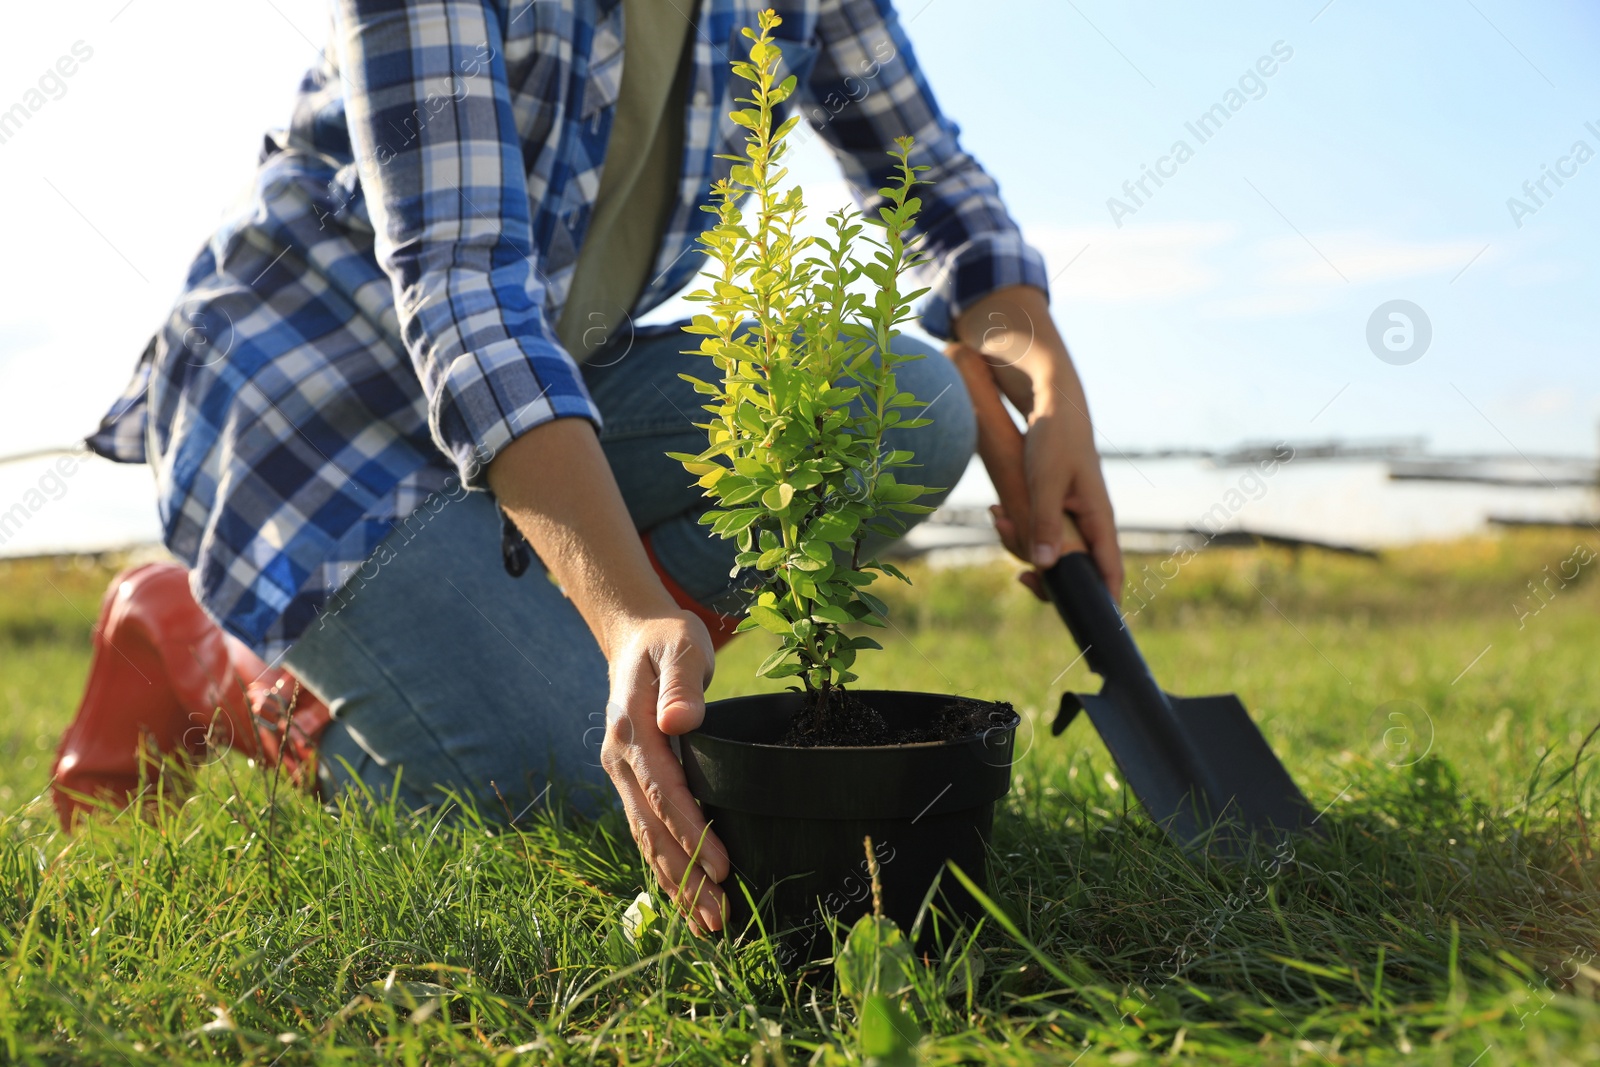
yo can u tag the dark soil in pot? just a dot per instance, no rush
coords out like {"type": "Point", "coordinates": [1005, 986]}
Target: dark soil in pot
{"type": "Point", "coordinates": [851, 721]}
{"type": "Point", "coordinates": [793, 817]}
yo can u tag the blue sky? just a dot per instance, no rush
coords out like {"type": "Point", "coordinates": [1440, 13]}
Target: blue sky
{"type": "Point", "coordinates": [1390, 141]}
{"type": "Point", "coordinates": [1233, 304]}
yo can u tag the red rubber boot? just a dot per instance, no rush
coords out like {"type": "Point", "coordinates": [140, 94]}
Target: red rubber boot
{"type": "Point", "coordinates": [288, 719]}
{"type": "Point", "coordinates": [165, 682]}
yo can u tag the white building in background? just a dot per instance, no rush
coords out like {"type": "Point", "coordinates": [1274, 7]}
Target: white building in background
{"type": "Point", "coordinates": [1357, 502]}
{"type": "Point", "coordinates": [1360, 502]}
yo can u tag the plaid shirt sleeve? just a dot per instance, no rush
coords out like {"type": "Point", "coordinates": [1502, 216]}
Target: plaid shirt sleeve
{"type": "Point", "coordinates": [864, 90]}
{"type": "Point", "coordinates": [437, 148]}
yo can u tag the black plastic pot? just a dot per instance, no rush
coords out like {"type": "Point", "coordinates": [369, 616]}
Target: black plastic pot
{"type": "Point", "coordinates": [793, 819]}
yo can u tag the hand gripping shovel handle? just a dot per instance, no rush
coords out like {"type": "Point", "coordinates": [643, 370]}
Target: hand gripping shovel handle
{"type": "Point", "coordinates": [1002, 448]}
{"type": "Point", "coordinates": [1074, 583]}
{"type": "Point", "coordinates": [1186, 778]}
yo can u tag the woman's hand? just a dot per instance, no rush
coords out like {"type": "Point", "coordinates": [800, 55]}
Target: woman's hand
{"type": "Point", "coordinates": [1008, 343]}
{"type": "Point", "coordinates": [659, 672]}
{"type": "Point", "coordinates": [555, 484]}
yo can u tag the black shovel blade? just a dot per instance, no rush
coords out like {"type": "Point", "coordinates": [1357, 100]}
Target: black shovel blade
{"type": "Point", "coordinates": [1198, 765]}
{"type": "Point", "coordinates": [1219, 784]}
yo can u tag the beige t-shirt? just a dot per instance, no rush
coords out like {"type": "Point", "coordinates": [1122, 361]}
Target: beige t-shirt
{"type": "Point", "coordinates": [638, 180]}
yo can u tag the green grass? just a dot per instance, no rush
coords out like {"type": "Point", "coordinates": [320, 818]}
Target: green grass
{"type": "Point", "coordinates": [1448, 917]}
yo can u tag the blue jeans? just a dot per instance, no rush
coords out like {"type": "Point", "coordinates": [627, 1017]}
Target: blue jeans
{"type": "Point", "coordinates": [445, 674]}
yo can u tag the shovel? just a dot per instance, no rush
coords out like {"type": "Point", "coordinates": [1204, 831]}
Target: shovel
{"type": "Point", "coordinates": [1199, 765]}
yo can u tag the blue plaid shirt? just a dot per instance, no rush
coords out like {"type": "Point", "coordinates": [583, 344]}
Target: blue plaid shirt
{"type": "Point", "coordinates": [378, 323]}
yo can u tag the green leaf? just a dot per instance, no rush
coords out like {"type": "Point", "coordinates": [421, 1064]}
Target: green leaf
{"type": "Point", "coordinates": [701, 387]}
{"type": "Point", "coordinates": [777, 498]}
{"type": "Point", "coordinates": [729, 445]}
{"type": "Point", "coordinates": [899, 494]}
{"type": "Point", "coordinates": [774, 661]}
{"type": "Point", "coordinates": [831, 613]}
{"type": "Point", "coordinates": [741, 493]}
{"type": "Point", "coordinates": [734, 522]}
{"type": "Point", "coordinates": [820, 551]}
{"type": "Point", "coordinates": [769, 619]}
{"type": "Point", "coordinates": [888, 1035]}
{"type": "Point", "coordinates": [751, 420]}
{"type": "Point", "coordinates": [835, 527]}
{"type": "Point", "coordinates": [874, 960]}
{"type": "Point", "coordinates": [878, 607]}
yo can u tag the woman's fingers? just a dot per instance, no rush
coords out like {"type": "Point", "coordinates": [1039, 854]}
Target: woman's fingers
{"type": "Point", "coordinates": [1048, 479]}
{"type": "Point", "coordinates": [658, 681]}
{"type": "Point", "coordinates": [1004, 528]}
{"type": "Point", "coordinates": [1031, 581]}
{"type": "Point", "coordinates": [1011, 539]}
{"type": "Point", "coordinates": [683, 670]}
{"type": "Point", "coordinates": [683, 879]}
{"type": "Point", "coordinates": [661, 782]}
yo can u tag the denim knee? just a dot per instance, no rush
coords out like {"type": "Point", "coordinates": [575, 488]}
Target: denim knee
{"type": "Point", "coordinates": [944, 448]}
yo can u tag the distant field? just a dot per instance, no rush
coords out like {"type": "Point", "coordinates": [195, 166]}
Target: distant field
{"type": "Point", "coordinates": [1451, 916]}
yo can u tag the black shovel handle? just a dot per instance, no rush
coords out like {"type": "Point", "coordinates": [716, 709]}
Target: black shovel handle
{"type": "Point", "coordinates": [1091, 615]}
{"type": "Point", "coordinates": [1097, 626]}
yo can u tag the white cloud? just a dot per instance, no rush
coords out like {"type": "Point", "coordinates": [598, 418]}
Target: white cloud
{"type": "Point", "coordinates": [1101, 264]}
{"type": "Point", "coordinates": [1361, 257]}
{"type": "Point", "coordinates": [1290, 275]}
{"type": "Point", "coordinates": [1273, 277]}
{"type": "Point", "coordinates": [1552, 401]}
{"type": "Point", "coordinates": [1537, 274]}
